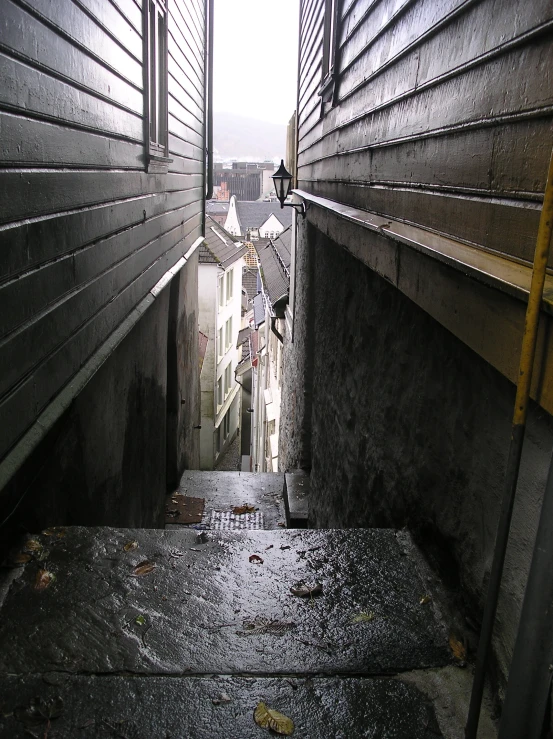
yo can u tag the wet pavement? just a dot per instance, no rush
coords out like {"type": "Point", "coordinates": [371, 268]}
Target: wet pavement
{"type": "Point", "coordinates": [224, 490]}
{"type": "Point", "coordinates": [180, 633]}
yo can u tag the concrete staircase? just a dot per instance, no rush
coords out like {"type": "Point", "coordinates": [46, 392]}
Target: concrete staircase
{"type": "Point", "coordinates": [154, 634]}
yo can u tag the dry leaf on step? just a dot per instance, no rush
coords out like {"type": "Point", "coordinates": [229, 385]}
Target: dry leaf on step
{"type": "Point", "coordinates": [458, 649]}
{"type": "Point", "coordinates": [130, 545]}
{"type": "Point", "coordinates": [362, 617]}
{"type": "Point", "coordinates": [256, 559]}
{"type": "Point", "coordinates": [44, 579]}
{"type": "Point", "coordinates": [425, 600]}
{"type": "Point", "coordinates": [268, 718]}
{"type": "Point", "coordinates": [143, 568]}
{"type": "Point", "coordinates": [241, 509]}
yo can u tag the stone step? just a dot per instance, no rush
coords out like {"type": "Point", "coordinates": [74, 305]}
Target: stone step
{"type": "Point", "coordinates": [296, 499]}
{"type": "Point", "coordinates": [183, 708]}
{"type": "Point", "coordinates": [224, 490]}
{"type": "Point", "coordinates": [210, 606]}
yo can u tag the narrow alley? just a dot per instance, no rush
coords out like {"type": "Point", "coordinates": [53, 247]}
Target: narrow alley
{"type": "Point", "coordinates": [276, 369]}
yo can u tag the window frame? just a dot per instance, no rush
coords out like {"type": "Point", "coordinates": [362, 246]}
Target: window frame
{"type": "Point", "coordinates": [328, 89]}
{"type": "Point", "coordinates": [156, 80]}
{"type": "Point", "coordinates": [230, 285]}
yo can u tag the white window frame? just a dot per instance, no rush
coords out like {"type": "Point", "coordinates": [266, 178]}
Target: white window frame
{"type": "Point", "coordinates": [228, 333]}
{"type": "Point", "coordinates": [156, 85]}
{"type": "Point", "coordinates": [230, 285]}
{"type": "Point", "coordinates": [220, 394]}
{"type": "Point", "coordinates": [221, 290]}
{"type": "Point", "coordinates": [220, 343]}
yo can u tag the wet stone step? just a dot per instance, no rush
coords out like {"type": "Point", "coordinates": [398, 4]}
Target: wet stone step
{"type": "Point", "coordinates": [223, 491]}
{"type": "Point", "coordinates": [296, 499]}
{"type": "Point", "coordinates": [191, 708]}
{"type": "Point", "coordinates": [181, 602]}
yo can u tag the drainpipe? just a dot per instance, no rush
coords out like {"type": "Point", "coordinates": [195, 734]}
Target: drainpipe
{"type": "Point", "coordinates": [208, 105]}
{"type": "Point", "coordinates": [527, 356]}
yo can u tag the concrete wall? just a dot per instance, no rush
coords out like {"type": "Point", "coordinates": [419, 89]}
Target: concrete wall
{"type": "Point", "coordinates": [410, 428]}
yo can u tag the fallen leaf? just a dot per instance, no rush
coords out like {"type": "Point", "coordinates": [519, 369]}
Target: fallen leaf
{"type": "Point", "coordinates": [287, 546]}
{"type": "Point", "coordinates": [458, 649]}
{"type": "Point", "coordinates": [241, 509]}
{"type": "Point", "coordinates": [130, 545]}
{"type": "Point", "coordinates": [282, 525]}
{"type": "Point", "coordinates": [55, 531]}
{"type": "Point", "coordinates": [144, 568]}
{"type": "Point", "coordinates": [21, 558]}
{"type": "Point", "coordinates": [39, 711]}
{"type": "Point", "coordinates": [223, 698]}
{"type": "Point", "coordinates": [425, 599]}
{"type": "Point", "coordinates": [307, 591]}
{"type": "Point", "coordinates": [362, 617]}
{"type": "Point", "coordinates": [140, 620]}
{"type": "Point", "coordinates": [44, 579]}
{"type": "Point", "coordinates": [256, 559]}
{"type": "Point", "coordinates": [32, 545]}
{"type": "Point", "coordinates": [269, 547]}
{"type": "Point", "coordinates": [268, 718]}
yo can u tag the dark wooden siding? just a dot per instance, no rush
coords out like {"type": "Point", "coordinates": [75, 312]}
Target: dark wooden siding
{"type": "Point", "coordinates": [443, 117]}
{"type": "Point", "coordinates": [85, 231]}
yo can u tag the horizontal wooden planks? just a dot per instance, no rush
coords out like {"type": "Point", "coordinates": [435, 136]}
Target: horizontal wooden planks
{"type": "Point", "coordinates": [25, 36]}
{"type": "Point", "coordinates": [26, 194]}
{"type": "Point", "coordinates": [32, 394]}
{"type": "Point", "coordinates": [32, 293]}
{"type": "Point", "coordinates": [85, 231]}
{"type": "Point", "coordinates": [495, 224]}
{"type": "Point", "coordinates": [27, 245]}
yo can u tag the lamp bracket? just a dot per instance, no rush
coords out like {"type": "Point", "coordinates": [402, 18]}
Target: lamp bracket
{"type": "Point", "coordinates": [301, 206]}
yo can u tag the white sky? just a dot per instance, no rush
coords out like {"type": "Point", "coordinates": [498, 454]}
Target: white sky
{"type": "Point", "coordinates": [245, 59]}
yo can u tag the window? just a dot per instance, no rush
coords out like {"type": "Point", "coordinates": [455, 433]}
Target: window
{"type": "Point", "coordinates": [226, 424]}
{"type": "Point", "coordinates": [220, 391]}
{"type": "Point", "coordinates": [221, 344]}
{"type": "Point", "coordinates": [330, 45]}
{"type": "Point", "coordinates": [230, 276]}
{"type": "Point", "coordinates": [221, 291]}
{"type": "Point", "coordinates": [228, 333]}
{"type": "Point", "coordinates": [228, 378]}
{"type": "Point", "coordinates": [155, 37]}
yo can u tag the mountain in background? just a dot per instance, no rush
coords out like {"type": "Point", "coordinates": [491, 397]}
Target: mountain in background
{"type": "Point", "coordinates": [239, 137]}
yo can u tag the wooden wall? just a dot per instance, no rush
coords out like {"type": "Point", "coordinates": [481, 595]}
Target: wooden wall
{"type": "Point", "coordinates": [443, 114]}
{"type": "Point", "coordinates": [85, 231]}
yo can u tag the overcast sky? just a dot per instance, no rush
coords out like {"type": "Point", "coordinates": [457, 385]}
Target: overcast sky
{"type": "Point", "coordinates": [248, 34]}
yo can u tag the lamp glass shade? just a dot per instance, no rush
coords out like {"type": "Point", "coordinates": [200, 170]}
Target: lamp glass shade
{"type": "Point", "coordinates": [282, 179]}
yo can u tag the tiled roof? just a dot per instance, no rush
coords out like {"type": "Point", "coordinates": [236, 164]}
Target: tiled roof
{"type": "Point", "coordinates": [283, 246]}
{"type": "Point", "coordinates": [226, 249]}
{"type": "Point", "coordinates": [274, 271]}
{"type": "Point", "coordinates": [254, 214]}
{"type": "Point", "coordinates": [249, 282]}
{"type": "Point", "coordinates": [258, 310]}
{"type": "Point", "coordinates": [216, 207]}
{"type": "Point", "coordinates": [243, 335]}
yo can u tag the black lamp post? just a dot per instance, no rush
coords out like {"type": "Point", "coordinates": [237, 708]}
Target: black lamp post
{"type": "Point", "coordinates": [283, 180]}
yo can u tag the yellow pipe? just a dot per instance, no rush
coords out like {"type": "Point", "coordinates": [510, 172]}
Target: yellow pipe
{"type": "Point", "coordinates": [527, 356]}
{"type": "Point", "coordinates": [529, 339]}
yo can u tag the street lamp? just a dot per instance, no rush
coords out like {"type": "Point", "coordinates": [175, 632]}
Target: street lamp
{"type": "Point", "coordinates": [283, 180]}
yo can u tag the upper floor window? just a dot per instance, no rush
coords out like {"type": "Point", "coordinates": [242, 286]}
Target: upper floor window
{"type": "Point", "coordinates": [330, 44]}
{"type": "Point", "coordinates": [157, 94]}
{"type": "Point", "coordinates": [221, 290]}
{"type": "Point", "coordinates": [229, 284]}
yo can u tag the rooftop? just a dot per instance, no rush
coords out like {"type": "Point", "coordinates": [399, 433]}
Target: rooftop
{"type": "Point", "coordinates": [219, 246]}
{"type": "Point", "coordinates": [254, 214]}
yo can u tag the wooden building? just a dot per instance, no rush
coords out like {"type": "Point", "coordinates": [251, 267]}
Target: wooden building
{"type": "Point", "coordinates": [102, 129]}
{"type": "Point", "coordinates": [424, 131]}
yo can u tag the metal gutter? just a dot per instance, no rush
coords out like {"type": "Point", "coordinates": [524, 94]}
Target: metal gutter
{"type": "Point", "coordinates": [15, 459]}
{"type": "Point", "coordinates": [493, 270]}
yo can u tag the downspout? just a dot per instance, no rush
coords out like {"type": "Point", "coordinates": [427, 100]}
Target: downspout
{"type": "Point", "coordinates": [527, 356]}
{"type": "Point", "coordinates": [208, 103]}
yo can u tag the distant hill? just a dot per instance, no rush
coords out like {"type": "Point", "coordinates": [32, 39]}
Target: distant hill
{"type": "Point", "coordinates": [239, 137]}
